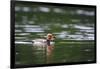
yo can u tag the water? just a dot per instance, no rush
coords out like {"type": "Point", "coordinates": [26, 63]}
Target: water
{"type": "Point", "coordinates": [72, 26]}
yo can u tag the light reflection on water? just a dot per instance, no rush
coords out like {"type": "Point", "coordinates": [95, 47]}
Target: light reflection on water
{"type": "Point", "coordinates": [74, 34]}
{"type": "Point", "coordinates": [82, 30]}
{"type": "Point", "coordinates": [56, 10]}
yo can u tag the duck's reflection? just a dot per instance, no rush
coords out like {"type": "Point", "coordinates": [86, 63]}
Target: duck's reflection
{"type": "Point", "coordinates": [49, 54]}
{"type": "Point", "coordinates": [44, 54]}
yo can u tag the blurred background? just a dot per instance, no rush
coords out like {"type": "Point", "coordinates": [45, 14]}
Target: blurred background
{"type": "Point", "coordinates": [73, 27]}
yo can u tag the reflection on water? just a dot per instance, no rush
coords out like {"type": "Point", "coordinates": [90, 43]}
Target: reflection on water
{"type": "Point", "coordinates": [72, 26]}
{"type": "Point", "coordinates": [49, 54]}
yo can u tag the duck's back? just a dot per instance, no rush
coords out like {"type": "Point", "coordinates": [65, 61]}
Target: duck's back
{"type": "Point", "coordinates": [39, 42]}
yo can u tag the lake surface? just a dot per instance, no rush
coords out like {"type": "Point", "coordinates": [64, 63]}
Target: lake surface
{"type": "Point", "coordinates": [73, 27]}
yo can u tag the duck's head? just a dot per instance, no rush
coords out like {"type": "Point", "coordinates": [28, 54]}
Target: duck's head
{"type": "Point", "coordinates": [50, 36]}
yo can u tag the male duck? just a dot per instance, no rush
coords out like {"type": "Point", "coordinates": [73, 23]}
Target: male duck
{"type": "Point", "coordinates": [44, 42]}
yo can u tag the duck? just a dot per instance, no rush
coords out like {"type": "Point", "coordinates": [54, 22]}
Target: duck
{"type": "Point", "coordinates": [42, 43]}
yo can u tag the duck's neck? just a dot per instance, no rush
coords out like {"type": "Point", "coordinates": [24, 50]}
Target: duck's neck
{"type": "Point", "coordinates": [48, 42]}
